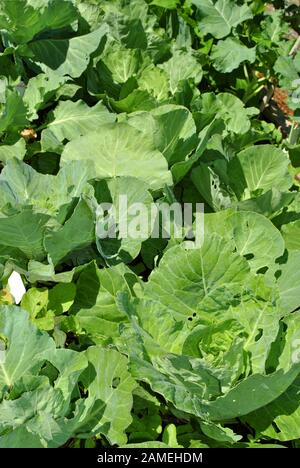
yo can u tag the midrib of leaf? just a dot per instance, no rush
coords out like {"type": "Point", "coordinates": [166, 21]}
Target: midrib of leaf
{"type": "Point", "coordinates": [203, 275]}
{"type": "Point", "coordinates": [6, 377]}
{"type": "Point", "coordinates": [262, 176]}
{"type": "Point", "coordinates": [254, 329]}
{"type": "Point", "coordinates": [245, 244]}
{"type": "Point", "coordinates": [222, 15]}
{"type": "Point", "coordinates": [73, 117]}
{"type": "Point", "coordinates": [125, 75]}
{"type": "Point", "coordinates": [277, 28]}
{"type": "Point", "coordinates": [171, 142]}
{"type": "Point", "coordinates": [114, 154]}
{"type": "Point", "coordinates": [21, 357]}
{"type": "Point", "coordinates": [28, 240]}
{"type": "Point", "coordinates": [205, 290]}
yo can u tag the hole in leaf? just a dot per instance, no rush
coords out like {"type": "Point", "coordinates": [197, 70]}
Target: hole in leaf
{"type": "Point", "coordinates": [262, 270]}
{"type": "Point", "coordinates": [249, 256]}
{"type": "Point", "coordinates": [275, 427]}
{"type": "Point", "coordinates": [259, 334]}
{"type": "Point", "coordinates": [278, 273]}
{"type": "Point", "coordinates": [116, 382]}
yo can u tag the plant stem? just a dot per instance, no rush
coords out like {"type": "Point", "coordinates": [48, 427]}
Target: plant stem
{"type": "Point", "coordinates": [295, 47]}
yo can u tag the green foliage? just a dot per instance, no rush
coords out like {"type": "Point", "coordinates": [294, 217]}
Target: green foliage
{"type": "Point", "coordinates": [147, 342]}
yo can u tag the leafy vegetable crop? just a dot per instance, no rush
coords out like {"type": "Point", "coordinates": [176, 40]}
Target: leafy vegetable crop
{"type": "Point", "coordinates": [148, 342]}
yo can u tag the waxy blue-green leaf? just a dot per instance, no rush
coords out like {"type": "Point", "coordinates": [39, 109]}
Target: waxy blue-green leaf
{"type": "Point", "coordinates": [43, 304]}
{"type": "Point", "coordinates": [280, 419]}
{"type": "Point", "coordinates": [24, 19]}
{"type": "Point", "coordinates": [173, 130]}
{"type": "Point", "coordinates": [24, 347]}
{"type": "Point", "coordinates": [193, 281]}
{"type": "Point", "coordinates": [181, 67]}
{"type": "Point", "coordinates": [245, 228]}
{"type": "Point", "coordinates": [258, 169]}
{"type": "Point", "coordinates": [288, 280]}
{"type": "Point", "coordinates": [120, 150]}
{"type": "Point", "coordinates": [227, 107]}
{"type": "Point", "coordinates": [159, 101]}
{"type": "Point", "coordinates": [25, 231]}
{"type": "Point", "coordinates": [108, 380]}
{"type": "Point", "coordinates": [63, 56]}
{"type": "Point", "coordinates": [95, 300]}
{"type": "Point", "coordinates": [117, 66]}
{"type": "Point", "coordinates": [13, 116]}
{"type": "Point", "coordinates": [72, 119]}
{"type": "Point", "coordinates": [40, 90]}
{"type": "Point", "coordinates": [119, 235]}
{"type": "Point", "coordinates": [291, 232]}
{"type": "Point", "coordinates": [219, 17]}
{"type": "Point", "coordinates": [17, 150]}
{"type": "Point", "coordinates": [195, 389]}
{"type": "Point", "coordinates": [227, 55]}
{"type": "Point", "coordinates": [78, 232]}
{"type": "Point", "coordinates": [22, 187]}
